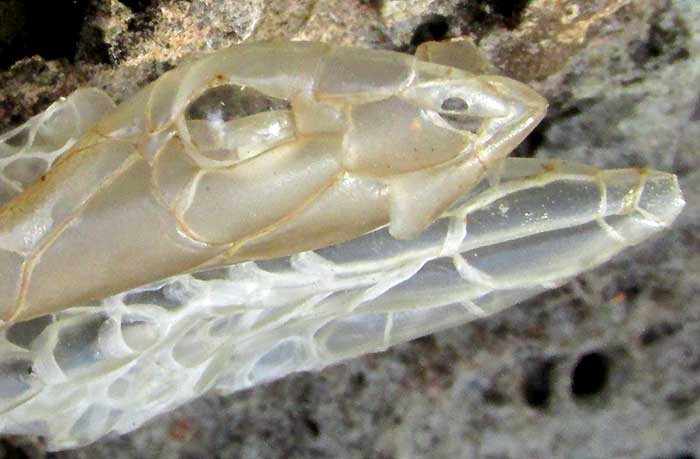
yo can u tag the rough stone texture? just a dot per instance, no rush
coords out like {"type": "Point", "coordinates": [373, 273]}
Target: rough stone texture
{"type": "Point", "coordinates": [606, 367]}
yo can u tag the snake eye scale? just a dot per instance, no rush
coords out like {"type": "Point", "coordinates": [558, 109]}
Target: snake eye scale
{"type": "Point", "coordinates": [277, 207]}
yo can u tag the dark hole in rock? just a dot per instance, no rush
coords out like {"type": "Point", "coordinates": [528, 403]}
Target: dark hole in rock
{"type": "Point", "coordinates": [537, 385]}
{"type": "Point", "coordinates": [510, 10]}
{"type": "Point", "coordinates": [679, 455]}
{"type": "Point", "coordinates": [680, 399]}
{"type": "Point", "coordinates": [590, 374]}
{"type": "Point", "coordinates": [10, 451]}
{"type": "Point", "coordinates": [93, 48]}
{"type": "Point", "coordinates": [358, 381]}
{"type": "Point", "coordinates": [495, 396]}
{"type": "Point", "coordinates": [665, 43]}
{"type": "Point", "coordinates": [49, 29]}
{"type": "Point", "coordinates": [137, 6]}
{"type": "Point", "coordinates": [486, 14]}
{"type": "Point", "coordinates": [435, 28]}
{"type": "Point", "coordinates": [683, 456]}
{"type": "Point", "coordinates": [627, 293]}
{"type": "Point", "coordinates": [312, 425]}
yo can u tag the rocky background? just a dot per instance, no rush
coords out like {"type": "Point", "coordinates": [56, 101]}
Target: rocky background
{"type": "Point", "coordinates": [606, 367]}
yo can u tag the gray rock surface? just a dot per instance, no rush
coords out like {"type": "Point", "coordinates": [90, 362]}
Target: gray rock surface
{"type": "Point", "coordinates": [608, 366]}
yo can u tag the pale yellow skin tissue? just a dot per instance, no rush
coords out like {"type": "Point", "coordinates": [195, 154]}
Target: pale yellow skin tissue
{"type": "Point", "coordinates": [272, 208]}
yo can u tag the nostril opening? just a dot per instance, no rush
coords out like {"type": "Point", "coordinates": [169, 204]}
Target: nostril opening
{"type": "Point", "coordinates": [590, 375]}
{"type": "Point", "coordinates": [454, 104]}
{"type": "Point", "coordinates": [455, 111]}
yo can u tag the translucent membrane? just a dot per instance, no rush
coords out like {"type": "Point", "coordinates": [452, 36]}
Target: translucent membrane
{"type": "Point", "coordinates": [263, 150]}
{"type": "Point", "coordinates": [87, 371]}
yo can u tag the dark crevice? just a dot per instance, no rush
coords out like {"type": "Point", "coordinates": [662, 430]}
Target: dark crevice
{"type": "Point", "coordinates": [312, 426]}
{"type": "Point", "coordinates": [139, 27]}
{"type": "Point", "coordinates": [631, 292]}
{"type": "Point", "coordinates": [358, 382]}
{"type": "Point", "coordinates": [434, 28]}
{"type": "Point", "coordinates": [137, 6]}
{"type": "Point", "coordinates": [695, 115]}
{"type": "Point", "coordinates": [10, 451]}
{"type": "Point", "coordinates": [590, 375]}
{"type": "Point", "coordinates": [678, 455]}
{"type": "Point", "coordinates": [59, 79]}
{"type": "Point", "coordinates": [493, 393]}
{"type": "Point", "coordinates": [92, 47]}
{"type": "Point", "coordinates": [50, 29]}
{"type": "Point", "coordinates": [665, 43]}
{"type": "Point", "coordinates": [658, 331]}
{"type": "Point", "coordinates": [495, 397]}
{"type": "Point", "coordinates": [510, 12]}
{"type": "Point", "coordinates": [483, 15]}
{"type": "Point", "coordinates": [563, 109]}
{"type": "Point", "coordinates": [681, 400]}
{"type": "Point", "coordinates": [537, 384]}
{"type": "Point", "coordinates": [557, 113]}
{"type": "Point", "coordinates": [376, 4]}
{"type": "Point", "coordinates": [528, 147]}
